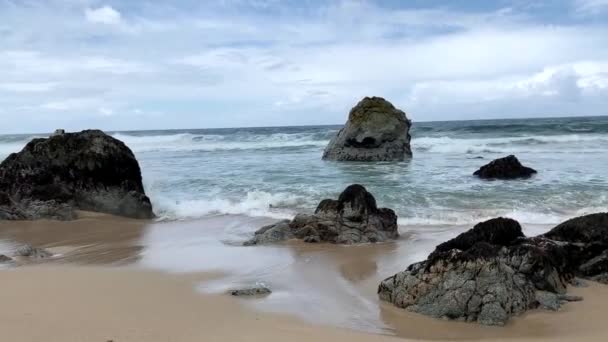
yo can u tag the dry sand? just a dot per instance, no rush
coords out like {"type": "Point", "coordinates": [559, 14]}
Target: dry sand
{"type": "Point", "coordinates": [89, 295]}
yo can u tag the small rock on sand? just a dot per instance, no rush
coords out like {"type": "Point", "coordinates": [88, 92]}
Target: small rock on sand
{"type": "Point", "coordinates": [251, 291]}
{"type": "Point", "coordinates": [4, 259]}
{"type": "Point", "coordinates": [32, 252]}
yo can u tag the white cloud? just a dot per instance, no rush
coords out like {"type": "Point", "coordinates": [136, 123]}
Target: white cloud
{"type": "Point", "coordinates": [103, 15]}
{"type": "Point", "coordinates": [212, 64]}
{"type": "Point", "coordinates": [70, 104]}
{"type": "Point", "coordinates": [591, 7]}
{"type": "Point", "coordinates": [27, 87]}
{"type": "Point", "coordinates": [106, 111]}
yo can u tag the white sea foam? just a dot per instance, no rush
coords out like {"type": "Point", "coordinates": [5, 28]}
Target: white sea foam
{"type": "Point", "coordinates": [469, 218]}
{"type": "Point", "coordinates": [184, 142]}
{"type": "Point", "coordinates": [255, 203]}
{"type": "Point", "coordinates": [555, 143]}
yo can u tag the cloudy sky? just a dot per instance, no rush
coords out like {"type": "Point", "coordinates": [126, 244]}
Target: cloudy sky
{"type": "Point", "coordinates": [148, 64]}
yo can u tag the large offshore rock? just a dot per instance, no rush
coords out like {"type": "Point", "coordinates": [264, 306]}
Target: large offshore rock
{"type": "Point", "coordinates": [90, 170]}
{"type": "Point", "coordinates": [353, 218]}
{"type": "Point", "coordinates": [375, 131]}
{"type": "Point", "coordinates": [504, 168]}
{"type": "Point", "coordinates": [485, 275]}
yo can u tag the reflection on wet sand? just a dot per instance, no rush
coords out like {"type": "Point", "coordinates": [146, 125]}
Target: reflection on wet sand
{"type": "Point", "coordinates": [95, 239]}
{"type": "Point", "coordinates": [321, 283]}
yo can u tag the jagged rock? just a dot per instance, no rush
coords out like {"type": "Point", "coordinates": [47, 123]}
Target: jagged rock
{"type": "Point", "coordinates": [272, 233]}
{"type": "Point", "coordinates": [58, 132]}
{"type": "Point", "coordinates": [353, 218]}
{"type": "Point", "coordinates": [586, 240]}
{"type": "Point", "coordinates": [569, 298]}
{"type": "Point", "coordinates": [493, 272]}
{"type": "Point", "coordinates": [504, 168]}
{"type": "Point", "coordinates": [500, 231]}
{"type": "Point", "coordinates": [595, 266]}
{"type": "Point", "coordinates": [50, 178]}
{"type": "Point", "coordinates": [548, 300]}
{"type": "Point", "coordinates": [600, 278]}
{"type": "Point", "coordinates": [487, 275]}
{"type": "Point", "coordinates": [32, 252]}
{"type": "Point", "coordinates": [375, 131]}
{"type": "Point", "coordinates": [591, 228]}
{"type": "Point", "coordinates": [4, 259]}
{"type": "Point", "coordinates": [479, 286]}
{"type": "Point", "coordinates": [258, 290]}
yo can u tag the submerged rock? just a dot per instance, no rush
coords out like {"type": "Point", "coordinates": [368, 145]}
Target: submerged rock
{"type": "Point", "coordinates": [32, 252]}
{"type": "Point", "coordinates": [486, 275]}
{"type": "Point", "coordinates": [548, 300]}
{"type": "Point", "coordinates": [259, 290]}
{"type": "Point", "coordinates": [375, 131]}
{"type": "Point", "coordinates": [353, 218]}
{"type": "Point", "coordinates": [50, 178]}
{"type": "Point", "coordinates": [4, 259]}
{"type": "Point", "coordinates": [504, 168]}
{"type": "Point", "coordinates": [272, 233]}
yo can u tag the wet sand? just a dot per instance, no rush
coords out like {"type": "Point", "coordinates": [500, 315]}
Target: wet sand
{"type": "Point", "coordinates": [126, 280]}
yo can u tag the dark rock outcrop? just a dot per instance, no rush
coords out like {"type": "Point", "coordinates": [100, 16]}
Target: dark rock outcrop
{"type": "Point", "coordinates": [586, 240]}
{"type": "Point", "coordinates": [353, 218]}
{"type": "Point", "coordinates": [4, 259]}
{"type": "Point", "coordinates": [504, 168]}
{"type": "Point", "coordinates": [493, 272]}
{"type": "Point", "coordinates": [586, 229]}
{"type": "Point", "coordinates": [375, 131]}
{"type": "Point", "coordinates": [52, 177]}
{"type": "Point", "coordinates": [500, 231]}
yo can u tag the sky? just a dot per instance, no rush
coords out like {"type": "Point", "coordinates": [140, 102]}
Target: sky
{"type": "Point", "coordinates": [149, 64]}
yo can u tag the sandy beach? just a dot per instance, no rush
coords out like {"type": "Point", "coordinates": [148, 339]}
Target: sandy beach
{"type": "Point", "coordinates": [101, 289]}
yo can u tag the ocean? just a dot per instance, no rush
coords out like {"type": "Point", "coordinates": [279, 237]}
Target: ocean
{"type": "Point", "coordinates": [277, 171]}
{"type": "Point", "coordinates": [212, 188]}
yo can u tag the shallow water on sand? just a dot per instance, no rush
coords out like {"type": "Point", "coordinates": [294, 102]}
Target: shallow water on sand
{"type": "Point", "coordinates": [321, 283]}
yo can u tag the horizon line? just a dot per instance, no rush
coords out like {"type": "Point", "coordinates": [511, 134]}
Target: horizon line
{"type": "Point", "coordinates": [321, 125]}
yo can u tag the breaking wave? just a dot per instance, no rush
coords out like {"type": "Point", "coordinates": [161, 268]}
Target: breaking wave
{"type": "Point", "coordinates": [184, 142]}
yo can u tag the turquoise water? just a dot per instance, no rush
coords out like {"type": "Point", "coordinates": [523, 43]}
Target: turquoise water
{"type": "Point", "coordinates": [277, 172]}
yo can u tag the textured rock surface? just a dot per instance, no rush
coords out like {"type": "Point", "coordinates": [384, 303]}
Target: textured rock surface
{"type": "Point", "coordinates": [353, 218]}
{"type": "Point", "coordinates": [375, 131]}
{"type": "Point", "coordinates": [32, 252]}
{"type": "Point", "coordinates": [504, 168]}
{"type": "Point", "coordinates": [586, 240]}
{"type": "Point", "coordinates": [259, 290]}
{"type": "Point", "coordinates": [90, 170]}
{"type": "Point", "coordinates": [487, 275]}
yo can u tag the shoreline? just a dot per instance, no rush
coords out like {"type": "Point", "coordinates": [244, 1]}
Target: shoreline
{"type": "Point", "coordinates": [84, 303]}
{"type": "Point", "coordinates": [108, 262]}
